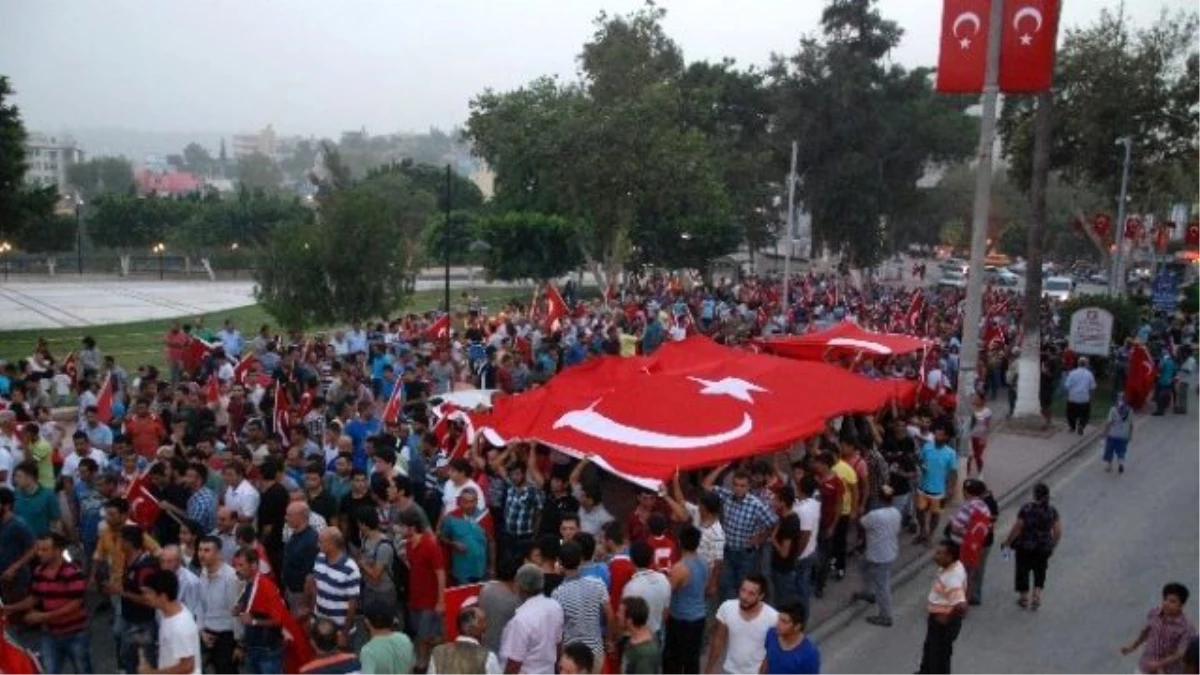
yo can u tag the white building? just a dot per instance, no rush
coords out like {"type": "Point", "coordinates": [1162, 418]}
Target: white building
{"type": "Point", "coordinates": [48, 158]}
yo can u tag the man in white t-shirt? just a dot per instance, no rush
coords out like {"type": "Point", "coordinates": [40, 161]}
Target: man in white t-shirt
{"type": "Point", "coordinates": [460, 479]}
{"type": "Point", "coordinates": [178, 636]}
{"type": "Point", "coordinates": [82, 449]}
{"type": "Point", "coordinates": [742, 625]}
{"type": "Point", "coordinates": [649, 585]}
{"type": "Point", "coordinates": [240, 495]}
{"type": "Point", "coordinates": [808, 509]}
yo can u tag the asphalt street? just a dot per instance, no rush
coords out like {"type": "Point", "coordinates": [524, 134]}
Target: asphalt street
{"type": "Point", "coordinates": [1124, 537]}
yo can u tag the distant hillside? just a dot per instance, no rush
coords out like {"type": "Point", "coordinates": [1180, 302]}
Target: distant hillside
{"type": "Point", "coordinates": [136, 145]}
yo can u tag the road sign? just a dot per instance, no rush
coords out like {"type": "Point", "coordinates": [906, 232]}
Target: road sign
{"type": "Point", "coordinates": [1165, 292]}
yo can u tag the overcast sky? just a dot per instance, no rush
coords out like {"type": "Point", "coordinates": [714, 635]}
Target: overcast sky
{"type": "Point", "coordinates": [321, 67]}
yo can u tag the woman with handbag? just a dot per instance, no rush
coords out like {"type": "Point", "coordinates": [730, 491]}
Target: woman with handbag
{"type": "Point", "coordinates": [1033, 538]}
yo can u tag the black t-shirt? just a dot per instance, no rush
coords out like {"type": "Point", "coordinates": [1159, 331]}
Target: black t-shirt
{"type": "Point", "coordinates": [324, 505]}
{"type": "Point", "coordinates": [413, 391]}
{"type": "Point", "coordinates": [137, 575]}
{"type": "Point", "coordinates": [350, 507]}
{"type": "Point", "coordinates": [551, 581]}
{"type": "Point", "coordinates": [789, 530]}
{"type": "Point", "coordinates": [901, 456]}
{"type": "Point", "coordinates": [166, 528]}
{"type": "Point", "coordinates": [555, 509]}
{"type": "Point", "coordinates": [271, 511]}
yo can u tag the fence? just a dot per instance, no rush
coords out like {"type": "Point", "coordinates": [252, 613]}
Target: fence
{"type": "Point", "coordinates": [219, 264]}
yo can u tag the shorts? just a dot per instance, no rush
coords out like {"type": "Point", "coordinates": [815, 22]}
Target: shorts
{"type": "Point", "coordinates": [978, 445]}
{"type": "Point", "coordinates": [927, 502]}
{"type": "Point", "coordinates": [426, 623]}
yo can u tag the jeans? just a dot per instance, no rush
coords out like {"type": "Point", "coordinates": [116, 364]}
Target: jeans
{"type": "Point", "coordinates": [681, 651]}
{"type": "Point", "coordinates": [738, 563]}
{"type": "Point", "coordinates": [877, 583]}
{"type": "Point", "coordinates": [137, 636]}
{"type": "Point", "coordinates": [58, 649]}
{"type": "Point", "coordinates": [1115, 447]}
{"type": "Point", "coordinates": [841, 532]}
{"type": "Point", "coordinates": [975, 577]}
{"type": "Point", "coordinates": [264, 660]}
{"type": "Point", "coordinates": [939, 644]}
{"type": "Point", "coordinates": [904, 504]}
{"type": "Point", "coordinates": [821, 571]}
{"type": "Point", "coordinates": [220, 654]}
{"type": "Point", "coordinates": [805, 568]}
{"type": "Point", "coordinates": [783, 588]}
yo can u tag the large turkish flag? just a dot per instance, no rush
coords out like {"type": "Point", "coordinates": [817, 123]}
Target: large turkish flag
{"type": "Point", "coordinates": [1027, 45]}
{"type": "Point", "coordinates": [691, 404]}
{"type": "Point", "coordinates": [963, 53]}
{"type": "Point", "coordinates": [843, 339]}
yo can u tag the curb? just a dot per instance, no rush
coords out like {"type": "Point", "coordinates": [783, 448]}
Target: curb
{"type": "Point", "coordinates": [844, 617]}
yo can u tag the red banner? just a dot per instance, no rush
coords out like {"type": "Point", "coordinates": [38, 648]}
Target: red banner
{"type": "Point", "coordinates": [456, 599]}
{"type": "Point", "coordinates": [963, 53]}
{"type": "Point", "coordinates": [1027, 45]}
{"type": "Point", "coordinates": [1102, 225]}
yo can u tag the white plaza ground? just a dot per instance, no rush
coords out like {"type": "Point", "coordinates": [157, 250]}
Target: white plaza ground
{"type": "Point", "coordinates": [63, 303]}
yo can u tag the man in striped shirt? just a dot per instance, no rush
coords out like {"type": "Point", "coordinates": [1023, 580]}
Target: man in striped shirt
{"type": "Point", "coordinates": [336, 580]}
{"type": "Point", "coordinates": [56, 604]}
{"type": "Point", "coordinates": [947, 605]}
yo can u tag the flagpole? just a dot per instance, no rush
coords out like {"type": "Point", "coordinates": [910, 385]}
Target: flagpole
{"type": "Point", "coordinates": [791, 222]}
{"type": "Point", "coordinates": [969, 356]}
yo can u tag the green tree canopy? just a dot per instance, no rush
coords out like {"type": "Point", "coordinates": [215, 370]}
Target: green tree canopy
{"type": "Point", "coordinates": [21, 206]}
{"type": "Point", "coordinates": [257, 171]}
{"type": "Point", "coordinates": [522, 245]}
{"type": "Point", "coordinates": [101, 174]}
{"type": "Point", "coordinates": [197, 159]}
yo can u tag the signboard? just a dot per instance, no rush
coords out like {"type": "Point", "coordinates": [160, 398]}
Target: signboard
{"type": "Point", "coordinates": [1091, 331]}
{"type": "Point", "coordinates": [1165, 292]}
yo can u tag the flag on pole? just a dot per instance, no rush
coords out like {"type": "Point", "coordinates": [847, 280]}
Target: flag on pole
{"type": "Point", "coordinates": [243, 367]}
{"type": "Point", "coordinates": [212, 392]}
{"type": "Point", "coordinates": [266, 600]}
{"type": "Point", "coordinates": [556, 307]}
{"type": "Point", "coordinates": [281, 418]}
{"type": "Point", "coordinates": [395, 404]}
{"type": "Point", "coordinates": [143, 505]}
{"type": "Point", "coordinates": [963, 53]}
{"type": "Point", "coordinates": [70, 366]}
{"type": "Point", "coordinates": [1027, 45]}
{"type": "Point", "coordinates": [104, 401]}
{"type": "Point", "coordinates": [439, 330]}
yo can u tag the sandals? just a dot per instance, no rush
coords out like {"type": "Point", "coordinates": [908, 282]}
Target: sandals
{"type": "Point", "coordinates": [1023, 603]}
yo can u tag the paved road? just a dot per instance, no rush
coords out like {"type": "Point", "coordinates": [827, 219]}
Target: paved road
{"type": "Point", "coordinates": [1124, 537]}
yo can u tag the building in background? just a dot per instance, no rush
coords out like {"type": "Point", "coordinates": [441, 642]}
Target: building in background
{"type": "Point", "coordinates": [48, 158]}
{"type": "Point", "coordinates": [264, 142]}
{"type": "Point", "coordinates": [167, 183]}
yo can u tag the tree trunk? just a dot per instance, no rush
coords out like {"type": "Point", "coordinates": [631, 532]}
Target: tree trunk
{"type": "Point", "coordinates": [1029, 370]}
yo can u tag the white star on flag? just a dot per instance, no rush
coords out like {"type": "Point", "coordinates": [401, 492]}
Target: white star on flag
{"type": "Point", "coordinates": [965, 43]}
{"type": "Point", "coordinates": [729, 386]}
{"type": "Point", "coordinates": [1026, 40]}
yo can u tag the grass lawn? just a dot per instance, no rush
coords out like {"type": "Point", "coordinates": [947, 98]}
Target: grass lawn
{"type": "Point", "coordinates": [141, 342]}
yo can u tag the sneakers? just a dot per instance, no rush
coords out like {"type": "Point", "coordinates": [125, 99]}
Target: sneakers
{"type": "Point", "coordinates": [1120, 468]}
{"type": "Point", "coordinates": [882, 621]}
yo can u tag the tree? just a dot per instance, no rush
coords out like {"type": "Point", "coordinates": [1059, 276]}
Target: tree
{"type": "Point", "coordinates": [464, 193]}
{"type": "Point", "coordinates": [464, 232]}
{"type": "Point", "coordinates": [529, 246]}
{"type": "Point", "coordinates": [257, 171]}
{"type": "Point", "coordinates": [867, 131]}
{"type": "Point", "coordinates": [355, 261]}
{"type": "Point", "coordinates": [129, 222]}
{"type": "Point", "coordinates": [301, 161]}
{"type": "Point", "coordinates": [1111, 82]}
{"type": "Point", "coordinates": [20, 205]}
{"type": "Point", "coordinates": [101, 174]}
{"type": "Point", "coordinates": [197, 159]}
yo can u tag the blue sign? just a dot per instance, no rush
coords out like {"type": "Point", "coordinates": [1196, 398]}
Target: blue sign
{"type": "Point", "coordinates": [1165, 292]}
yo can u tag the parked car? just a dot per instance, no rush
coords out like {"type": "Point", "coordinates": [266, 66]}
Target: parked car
{"type": "Point", "coordinates": [954, 264]}
{"type": "Point", "coordinates": [1058, 288]}
{"type": "Point", "coordinates": [1000, 276]}
{"type": "Point", "coordinates": [952, 279]}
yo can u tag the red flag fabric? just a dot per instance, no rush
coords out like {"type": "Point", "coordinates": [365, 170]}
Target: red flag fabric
{"type": "Point", "coordinates": [143, 505]}
{"type": "Point", "coordinates": [212, 393]}
{"type": "Point", "coordinates": [556, 307]}
{"type": "Point", "coordinates": [1140, 380]}
{"type": "Point", "coordinates": [915, 309]}
{"type": "Point", "coordinates": [1192, 236]}
{"type": "Point", "coordinates": [195, 353]}
{"type": "Point", "coordinates": [1161, 236]}
{"type": "Point", "coordinates": [439, 330]}
{"type": "Point", "coordinates": [843, 339]}
{"type": "Point", "coordinates": [1027, 45]}
{"type": "Point", "coordinates": [457, 599]}
{"type": "Point", "coordinates": [1102, 225]}
{"type": "Point", "coordinates": [70, 366]}
{"type": "Point", "coordinates": [243, 367]}
{"type": "Point", "coordinates": [14, 658]}
{"type": "Point", "coordinates": [281, 417]}
{"type": "Point", "coordinates": [395, 404]}
{"type": "Point", "coordinates": [265, 599]}
{"type": "Point", "coordinates": [963, 52]}
{"type": "Point", "coordinates": [104, 401]}
{"type": "Point", "coordinates": [975, 536]}
{"type": "Point", "coordinates": [609, 293]}
{"type": "Point", "coordinates": [626, 411]}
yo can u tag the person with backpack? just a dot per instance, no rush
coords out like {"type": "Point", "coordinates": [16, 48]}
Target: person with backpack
{"type": "Point", "coordinates": [376, 559]}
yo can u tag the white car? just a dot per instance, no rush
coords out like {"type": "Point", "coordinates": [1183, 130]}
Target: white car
{"type": "Point", "coordinates": [1001, 277]}
{"type": "Point", "coordinates": [1058, 288]}
{"type": "Point", "coordinates": [952, 279]}
{"type": "Point", "coordinates": [954, 264]}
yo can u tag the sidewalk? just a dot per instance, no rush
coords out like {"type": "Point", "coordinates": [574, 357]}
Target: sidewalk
{"type": "Point", "coordinates": [1015, 459]}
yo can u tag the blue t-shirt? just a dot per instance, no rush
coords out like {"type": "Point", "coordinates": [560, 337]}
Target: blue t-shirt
{"type": "Point", "coordinates": [469, 565]}
{"type": "Point", "coordinates": [38, 509]}
{"type": "Point", "coordinates": [599, 571]}
{"type": "Point", "coordinates": [804, 659]}
{"type": "Point", "coordinates": [91, 511]}
{"type": "Point", "coordinates": [936, 465]}
{"type": "Point", "coordinates": [359, 430]}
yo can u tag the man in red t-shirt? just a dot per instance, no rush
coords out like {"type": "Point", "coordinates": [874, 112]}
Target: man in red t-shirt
{"type": "Point", "coordinates": [144, 430]}
{"type": "Point", "coordinates": [832, 490]}
{"type": "Point", "coordinates": [426, 584]}
{"type": "Point", "coordinates": [620, 567]}
{"type": "Point", "coordinates": [662, 544]}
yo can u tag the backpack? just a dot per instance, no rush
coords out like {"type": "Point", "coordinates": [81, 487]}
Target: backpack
{"type": "Point", "coordinates": [398, 572]}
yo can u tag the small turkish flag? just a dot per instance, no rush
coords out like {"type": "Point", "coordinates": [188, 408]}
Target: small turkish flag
{"type": "Point", "coordinates": [439, 330]}
{"type": "Point", "coordinates": [143, 505]}
{"type": "Point", "coordinates": [556, 307]}
{"type": "Point", "coordinates": [963, 53]}
{"type": "Point", "coordinates": [1027, 45]}
{"type": "Point", "coordinates": [243, 367]}
{"type": "Point", "coordinates": [395, 404]}
{"type": "Point", "coordinates": [104, 401]}
{"type": "Point", "coordinates": [1192, 236]}
{"type": "Point", "coordinates": [455, 600]}
{"type": "Point", "coordinates": [266, 600]}
{"type": "Point", "coordinates": [280, 416]}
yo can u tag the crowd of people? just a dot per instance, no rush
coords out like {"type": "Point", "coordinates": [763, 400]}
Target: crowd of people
{"type": "Point", "coordinates": [314, 468]}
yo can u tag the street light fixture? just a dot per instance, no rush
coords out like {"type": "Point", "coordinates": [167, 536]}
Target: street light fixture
{"type": "Point", "coordinates": [79, 233]}
{"type": "Point", "coordinates": [233, 249]}
{"type": "Point", "coordinates": [5, 249]}
{"type": "Point", "coordinates": [160, 248]}
{"type": "Point", "coordinates": [1117, 279]}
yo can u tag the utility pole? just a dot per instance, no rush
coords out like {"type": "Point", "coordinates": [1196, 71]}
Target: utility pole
{"type": "Point", "coordinates": [446, 238]}
{"type": "Point", "coordinates": [973, 311]}
{"type": "Point", "coordinates": [791, 224]}
{"type": "Point", "coordinates": [1117, 282]}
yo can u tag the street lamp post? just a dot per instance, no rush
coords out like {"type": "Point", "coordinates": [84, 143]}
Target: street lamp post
{"type": "Point", "coordinates": [160, 248]}
{"type": "Point", "coordinates": [1118, 274]}
{"type": "Point", "coordinates": [446, 239]}
{"type": "Point", "coordinates": [79, 234]}
{"type": "Point", "coordinates": [5, 249]}
{"type": "Point", "coordinates": [233, 248]}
